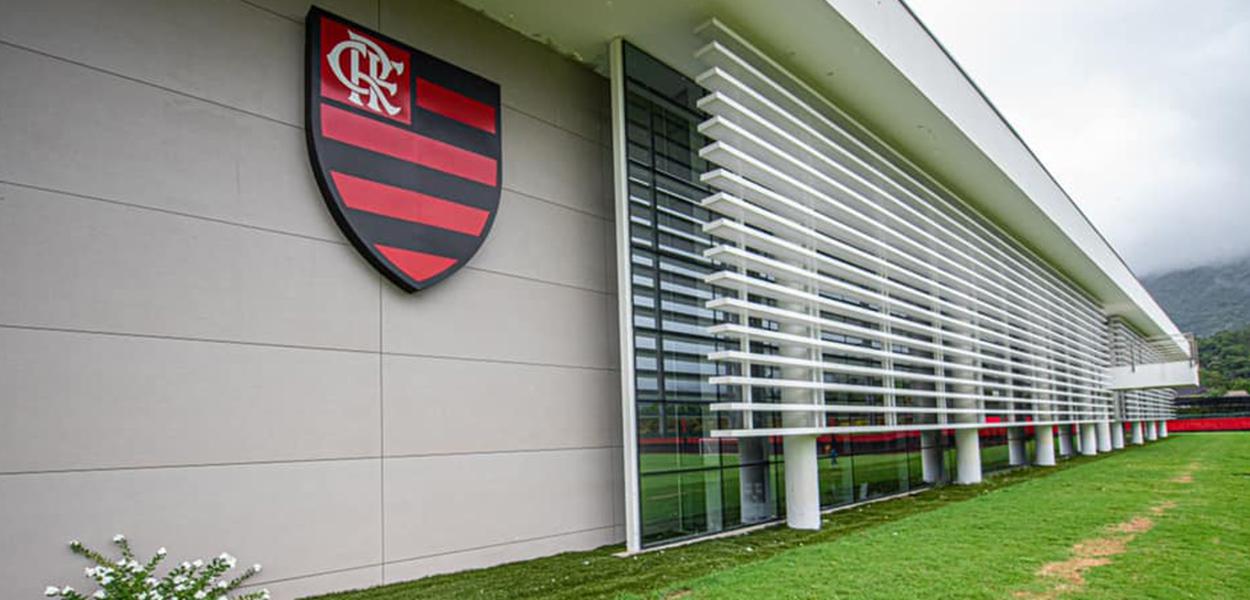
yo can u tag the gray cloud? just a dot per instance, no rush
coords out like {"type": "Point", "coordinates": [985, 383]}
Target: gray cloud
{"type": "Point", "coordinates": [1140, 108]}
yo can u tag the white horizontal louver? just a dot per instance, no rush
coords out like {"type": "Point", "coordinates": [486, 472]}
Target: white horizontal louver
{"type": "Point", "coordinates": [857, 288]}
{"type": "Point", "coordinates": [1127, 348]}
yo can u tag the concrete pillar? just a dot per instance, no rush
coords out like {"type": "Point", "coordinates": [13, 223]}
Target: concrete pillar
{"type": "Point", "coordinates": [1152, 431]}
{"type": "Point", "coordinates": [1104, 436]}
{"type": "Point", "coordinates": [931, 456]}
{"type": "Point", "coordinates": [802, 482]}
{"type": "Point", "coordinates": [968, 455]}
{"type": "Point", "coordinates": [1139, 436]}
{"type": "Point", "coordinates": [1065, 440]}
{"type": "Point", "coordinates": [754, 489]}
{"type": "Point", "coordinates": [967, 441]}
{"type": "Point", "coordinates": [1045, 438]}
{"type": "Point", "coordinates": [1163, 429]}
{"type": "Point", "coordinates": [1117, 435]}
{"type": "Point", "coordinates": [802, 463]}
{"type": "Point", "coordinates": [1077, 438]}
{"type": "Point", "coordinates": [1017, 454]}
{"type": "Point", "coordinates": [1089, 439]}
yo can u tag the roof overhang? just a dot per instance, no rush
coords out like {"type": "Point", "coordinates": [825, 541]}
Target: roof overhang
{"type": "Point", "coordinates": [879, 63]}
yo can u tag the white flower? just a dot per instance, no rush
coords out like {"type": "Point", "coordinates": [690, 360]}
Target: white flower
{"type": "Point", "coordinates": [67, 590]}
{"type": "Point", "coordinates": [89, 571]}
{"type": "Point", "coordinates": [99, 594]}
{"type": "Point", "coordinates": [264, 594]}
{"type": "Point", "coordinates": [197, 563]}
{"type": "Point", "coordinates": [201, 595]}
{"type": "Point", "coordinates": [161, 551]}
{"type": "Point", "coordinates": [222, 585]}
{"type": "Point", "coordinates": [119, 538]}
{"type": "Point", "coordinates": [256, 568]}
{"type": "Point", "coordinates": [51, 591]}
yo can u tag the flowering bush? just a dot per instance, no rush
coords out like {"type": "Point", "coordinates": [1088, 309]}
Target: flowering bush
{"type": "Point", "coordinates": [128, 579]}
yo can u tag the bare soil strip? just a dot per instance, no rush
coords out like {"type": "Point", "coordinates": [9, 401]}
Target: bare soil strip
{"type": "Point", "coordinates": [1068, 576]}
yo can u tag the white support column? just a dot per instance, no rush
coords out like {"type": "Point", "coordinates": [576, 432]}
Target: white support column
{"type": "Point", "coordinates": [1104, 436]}
{"type": "Point", "coordinates": [1163, 429]}
{"type": "Point", "coordinates": [1152, 431]}
{"type": "Point", "coordinates": [1117, 435]}
{"type": "Point", "coordinates": [1065, 440]}
{"type": "Point", "coordinates": [802, 464]}
{"type": "Point", "coordinates": [1089, 439]}
{"type": "Point", "coordinates": [931, 456]}
{"type": "Point", "coordinates": [1045, 438]}
{"type": "Point", "coordinates": [968, 453]}
{"type": "Point", "coordinates": [1017, 454]}
{"type": "Point", "coordinates": [1078, 438]}
{"type": "Point", "coordinates": [967, 441]}
{"type": "Point", "coordinates": [1139, 436]}
{"type": "Point", "coordinates": [802, 482]}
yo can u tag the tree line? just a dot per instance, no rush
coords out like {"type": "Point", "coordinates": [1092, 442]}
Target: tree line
{"type": "Point", "coordinates": [1225, 361]}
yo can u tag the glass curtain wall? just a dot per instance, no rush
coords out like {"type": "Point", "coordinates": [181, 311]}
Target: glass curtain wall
{"type": "Point", "coordinates": [689, 483]}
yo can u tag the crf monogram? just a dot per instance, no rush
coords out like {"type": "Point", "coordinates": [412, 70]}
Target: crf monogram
{"type": "Point", "coordinates": [368, 83]}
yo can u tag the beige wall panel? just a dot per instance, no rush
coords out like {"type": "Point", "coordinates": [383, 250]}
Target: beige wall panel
{"type": "Point", "coordinates": [553, 164]}
{"type": "Point", "coordinates": [72, 129]}
{"type": "Point", "coordinates": [442, 406]}
{"type": "Point", "coordinates": [484, 315]}
{"type": "Point", "coordinates": [295, 519]}
{"type": "Point", "coordinates": [225, 51]}
{"type": "Point", "coordinates": [96, 266]}
{"type": "Point", "coordinates": [361, 11]}
{"type": "Point", "coordinates": [141, 402]}
{"type": "Point", "coordinates": [540, 240]}
{"type": "Point", "coordinates": [438, 505]}
{"type": "Point", "coordinates": [162, 198]}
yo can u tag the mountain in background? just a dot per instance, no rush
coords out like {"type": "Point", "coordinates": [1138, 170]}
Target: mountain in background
{"type": "Point", "coordinates": [1205, 300]}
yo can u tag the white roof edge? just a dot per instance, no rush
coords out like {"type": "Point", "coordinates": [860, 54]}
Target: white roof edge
{"type": "Point", "coordinates": [910, 47]}
{"type": "Point", "coordinates": [878, 62]}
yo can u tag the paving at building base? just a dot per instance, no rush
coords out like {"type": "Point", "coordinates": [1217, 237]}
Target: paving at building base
{"type": "Point", "coordinates": [1162, 521]}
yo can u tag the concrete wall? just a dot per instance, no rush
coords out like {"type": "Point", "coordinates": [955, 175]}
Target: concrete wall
{"type": "Point", "coordinates": [193, 355]}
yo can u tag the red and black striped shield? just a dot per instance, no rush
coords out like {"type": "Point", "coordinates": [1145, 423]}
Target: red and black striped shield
{"type": "Point", "coordinates": [405, 148]}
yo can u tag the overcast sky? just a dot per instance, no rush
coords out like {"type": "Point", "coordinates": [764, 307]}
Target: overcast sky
{"type": "Point", "coordinates": [1140, 108]}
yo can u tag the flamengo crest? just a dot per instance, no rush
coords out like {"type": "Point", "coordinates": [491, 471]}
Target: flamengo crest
{"type": "Point", "coordinates": [405, 148]}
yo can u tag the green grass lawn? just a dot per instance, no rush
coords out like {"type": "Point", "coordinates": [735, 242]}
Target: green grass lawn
{"type": "Point", "coordinates": [987, 541]}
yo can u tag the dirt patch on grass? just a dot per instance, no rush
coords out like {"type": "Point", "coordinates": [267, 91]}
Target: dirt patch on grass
{"type": "Point", "coordinates": [1162, 508]}
{"type": "Point", "coordinates": [1064, 577]}
{"type": "Point", "coordinates": [1186, 476]}
{"type": "Point", "coordinates": [1138, 524]}
{"type": "Point", "coordinates": [678, 595]}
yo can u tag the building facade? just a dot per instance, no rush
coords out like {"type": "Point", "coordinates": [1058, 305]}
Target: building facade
{"type": "Point", "coordinates": [747, 263]}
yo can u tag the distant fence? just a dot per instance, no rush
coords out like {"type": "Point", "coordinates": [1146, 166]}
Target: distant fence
{"type": "Point", "coordinates": [1210, 424]}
